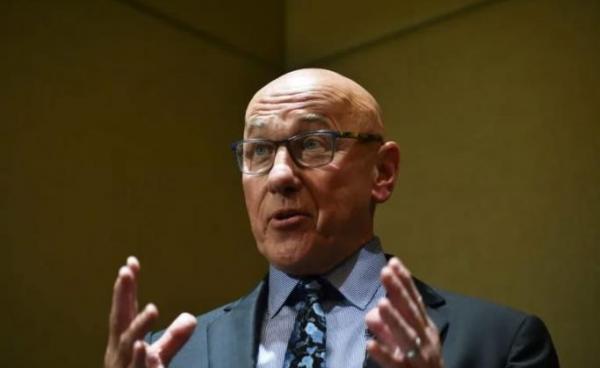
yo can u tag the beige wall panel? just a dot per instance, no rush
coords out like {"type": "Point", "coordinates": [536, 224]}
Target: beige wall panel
{"type": "Point", "coordinates": [114, 133]}
{"type": "Point", "coordinates": [257, 28]}
{"type": "Point", "coordinates": [497, 116]}
{"type": "Point", "coordinates": [315, 29]}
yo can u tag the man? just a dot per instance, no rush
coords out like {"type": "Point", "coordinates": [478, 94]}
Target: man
{"type": "Point", "coordinates": [314, 167]}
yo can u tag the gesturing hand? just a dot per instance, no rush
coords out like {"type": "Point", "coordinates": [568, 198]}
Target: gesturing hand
{"type": "Point", "coordinates": [405, 335]}
{"type": "Point", "coordinates": [127, 327]}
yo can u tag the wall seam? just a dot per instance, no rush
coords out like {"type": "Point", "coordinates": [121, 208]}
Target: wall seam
{"type": "Point", "coordinates": [399, 33]}
{"type": "Point", "coordinates": [185, 27]}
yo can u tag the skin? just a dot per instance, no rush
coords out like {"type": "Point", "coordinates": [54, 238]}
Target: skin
{"type": "Point", "coordinates": [127, 326]}
{"type": "Point", "coordinates": [400, 324]}
{"type": "Point", "coordinates": [334, 203]}
{"type": "Point", "coordinates": [305, 221]}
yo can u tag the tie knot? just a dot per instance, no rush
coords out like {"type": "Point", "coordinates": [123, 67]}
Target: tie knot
{"type": "Point", "coordinates": [311, 289]}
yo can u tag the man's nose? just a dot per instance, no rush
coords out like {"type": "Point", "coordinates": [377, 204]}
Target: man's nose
{"type": "Point", "coordinates": [283, 176]}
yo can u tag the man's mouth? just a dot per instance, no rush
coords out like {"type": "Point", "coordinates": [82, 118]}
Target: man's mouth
{"type": "Point", "coordinates": [287, 218]}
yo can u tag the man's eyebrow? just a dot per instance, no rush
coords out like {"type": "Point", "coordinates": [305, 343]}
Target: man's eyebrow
{"type": "Point", "coordinates": [318, 119]}
{"type": "Point", "coordinates": [257, 122]}
{"type": "Point", "coordinates": [313, 118]}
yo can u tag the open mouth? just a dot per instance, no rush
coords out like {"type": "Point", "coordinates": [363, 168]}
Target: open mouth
{"type": "Point", "coordinates": [286, 214]}
{"type": "Point", "coordinates": [287, 218]}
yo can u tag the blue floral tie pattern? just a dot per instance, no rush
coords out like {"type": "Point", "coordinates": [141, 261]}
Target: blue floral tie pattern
{"type": "Point", "coordinates": [306, 347]}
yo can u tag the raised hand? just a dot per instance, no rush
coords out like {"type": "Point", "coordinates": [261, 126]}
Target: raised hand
{"type": "Point", "coordinates": [405, 335]}
{"type": "Point", "coordinates": [127, 327]}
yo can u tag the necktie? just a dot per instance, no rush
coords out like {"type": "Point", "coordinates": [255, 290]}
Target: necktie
{"type": "Point", "coordinates": [306, 347]}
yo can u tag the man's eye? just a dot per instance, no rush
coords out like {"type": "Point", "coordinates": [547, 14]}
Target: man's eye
{"type": "Point", "coordinates": [261, 150]}
{"type": "Point", "coordinates": [312, 143]}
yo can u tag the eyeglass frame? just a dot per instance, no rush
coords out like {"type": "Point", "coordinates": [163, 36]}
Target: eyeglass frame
{"type": "Point", "coordinates": [361, 137]}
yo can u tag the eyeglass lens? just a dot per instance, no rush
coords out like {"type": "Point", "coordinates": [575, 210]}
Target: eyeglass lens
{"type": "Point", "coordinates": [310, 150]}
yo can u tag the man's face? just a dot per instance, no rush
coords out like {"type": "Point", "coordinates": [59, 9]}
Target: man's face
{"type": "Point", "coordinates": [307, 220]}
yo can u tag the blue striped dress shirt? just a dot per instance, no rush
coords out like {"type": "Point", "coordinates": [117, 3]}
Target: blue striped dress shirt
{"type": "Point", "coordinates": [357, 279]}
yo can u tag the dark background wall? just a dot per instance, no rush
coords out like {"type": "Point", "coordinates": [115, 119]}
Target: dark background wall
{"type": "Point", "coordinates": [116, 126]}
{"type": "Point", "coordinates": [115, 120]}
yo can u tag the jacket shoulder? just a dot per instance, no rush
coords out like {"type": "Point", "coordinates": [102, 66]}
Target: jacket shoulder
{"type": "Point", "coordinates": [483, 333]}
{"type": "Point", "coordinates": [195, 352]}
{"type": "Point", "coordinates": [202, 320]}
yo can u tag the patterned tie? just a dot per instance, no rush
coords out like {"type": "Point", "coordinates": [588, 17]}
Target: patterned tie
{"type": "Point", "coordinates": [306, 347]}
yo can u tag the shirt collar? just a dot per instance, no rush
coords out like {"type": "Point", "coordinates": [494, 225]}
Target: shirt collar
{"type": "Point", "coordinates": [356, 278]}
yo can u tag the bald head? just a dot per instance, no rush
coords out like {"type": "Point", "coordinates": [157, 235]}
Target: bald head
{"type": "Point", "coordinates": [313, 205]}
{"type": "Point", "coordinates": [314, 89]}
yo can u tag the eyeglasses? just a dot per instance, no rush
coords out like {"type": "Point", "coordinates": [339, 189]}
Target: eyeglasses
{"type": "Point", "coordinates": [311, 149]}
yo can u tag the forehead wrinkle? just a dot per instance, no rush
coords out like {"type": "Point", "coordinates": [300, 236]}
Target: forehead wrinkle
{"type": "Point", "coordinates": [310, 118]}
{"type": "Point", "coordinates": [324, 95]}
{"type": "Point", "coordinates": [319, 102]}
{"type": "Point", "coordinates": [309, 111]}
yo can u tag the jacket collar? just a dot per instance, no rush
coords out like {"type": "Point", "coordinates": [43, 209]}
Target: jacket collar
{"type": "Point", "coordinates": [433, 302]}
{"type": "Point", "coordinates": [233, 338]}
{"type": "Point", "coordinates": [356, 279]}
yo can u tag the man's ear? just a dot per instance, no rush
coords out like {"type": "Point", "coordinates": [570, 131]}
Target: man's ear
{"type": "Point", "coordinates": [385, 171]}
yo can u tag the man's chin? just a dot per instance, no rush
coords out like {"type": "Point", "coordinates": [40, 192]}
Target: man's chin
{"type": "Point", "coordinates": [293, 258]}
{"type": "Point", "coordinates": [317, 263]}
{"type": "Point", "coordinates": [298, 269]}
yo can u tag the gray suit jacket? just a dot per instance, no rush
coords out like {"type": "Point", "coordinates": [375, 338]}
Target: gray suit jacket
{"type": "Point", "coordinates": [474, 333]}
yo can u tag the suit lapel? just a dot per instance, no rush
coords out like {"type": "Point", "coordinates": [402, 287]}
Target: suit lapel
{"type": "Point", "coordinates": [233, 338]}
{"type": "Point", "coordinates": [433, 301]}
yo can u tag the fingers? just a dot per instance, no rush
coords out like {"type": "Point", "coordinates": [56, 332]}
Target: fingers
{"type": "Point", "coordinates": [405, 335]}
{"type": "Point", "coordinates": [143, 357]}
{"type": "Point", "coordinates": [124, 300]}
{"type": "Point", "coordinates": [138, 328]}
{"type": "Point", "coordinates": [383, 356]}
{"type": "Point", "coordinates": [153, 360]}
{"type": "Point", "coordinates": [399, 286]}
{"type": "Point", "coordinates": [134, 266]}
{"type": "Point", "coordinates": [379, 328]}
{"type": "Point", "coordinates": [139, 354]}
{"type": "Point", "coordinates": [126, 326]}
{"type": "Point", "coordinates": [394, 337]}
{"type": "Point", "coordinates": [407, 281]}
{"type": "Point", "coordinates": [174, 337]}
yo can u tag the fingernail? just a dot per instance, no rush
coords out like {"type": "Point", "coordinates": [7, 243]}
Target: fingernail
{"type": "Point", "coordinates": [383, 302]}
{"type": "Point", "coordinates": [150, 307]}
{"type": "Point", "coordinates": [387, 272]}
{"type": "Point", "coordinates": [186, 318]}
{"type": "Point", "coordinates": [132, 261]}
